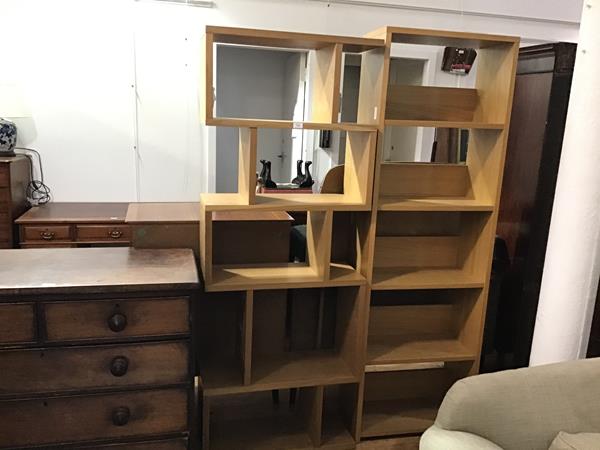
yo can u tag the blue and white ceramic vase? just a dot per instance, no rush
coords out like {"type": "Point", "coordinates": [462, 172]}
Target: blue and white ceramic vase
{"type": "Point", "coordinates": [8, 138]}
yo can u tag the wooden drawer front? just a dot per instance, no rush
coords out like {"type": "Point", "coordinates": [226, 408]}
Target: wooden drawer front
{"type": "Point", "coordinates": [108, 233]}
{"type": "Point", "coordinates": [48, 233]}
{"type": "Point", "coordinates": [17, 324]}
{"type": "Point", "coordinates": [4, 176]}
{"type": "Point", "coordinates": [171, 444]}
{"type": "Point", "coordinates": [4, 220]}
{"type": "Point", "coordinates": [4, 195]}
{"type": "Point", "coordinates": [68, 321]}
{"type": "Point", "coordinates": [60, 369]}
{"type": "Point", "coordinates": [5, 231]}
{"type": "Point", "coordinates": [73, 419]}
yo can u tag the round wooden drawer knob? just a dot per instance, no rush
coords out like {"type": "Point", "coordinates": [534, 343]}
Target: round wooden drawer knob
{"type": "Point", "coordinates": [120, 416]}
{"type": "Point", "coordinates": [119, 366]}
{"type": "Point", "coordinates": [117, 322]}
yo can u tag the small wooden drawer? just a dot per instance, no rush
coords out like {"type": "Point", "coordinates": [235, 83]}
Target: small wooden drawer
{"type": "Point", "coordinates": [48, 421]}
{"type": "Point", "coordinates": [116, 319]}
{"type": "Point", "coordinates": [4, 230]}
{"type": "Point", "coordinates": [17, 324]}
{"type": "Point", "coordinates": [169, 444]}
{"type": "Point", "coordinates": [4, 195]}
{"type": "Point", "coordinates": [108, 233]}
{"type": "Point", "coordinates": [4, 176]}
{"type": "Point", "coordinates": [98, 367]}
{"type": "Point", "coordinates": [48, 233]}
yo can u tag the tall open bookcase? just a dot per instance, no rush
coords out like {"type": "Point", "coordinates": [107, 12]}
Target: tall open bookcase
{"type": "Point", "coordinates": [388, 310]}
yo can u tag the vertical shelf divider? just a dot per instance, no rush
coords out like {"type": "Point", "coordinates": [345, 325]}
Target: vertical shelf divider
{"type": "Point", "coordinates": [358, 166]}
{"type": "Point", "coordinates": [247, 166]}
{"type": "Point", "coordinates": [206, 97]}
{"type": "Point", "coordinates": [318, 241]}
{"type": "Point", "coordinates": [326, 66]}
{"type": "Point", "coordinates": [206, 244]}
{"type": "Point", "coordinates": [311, 408]}
{"type": "Point", "coordinates": [246, 347]}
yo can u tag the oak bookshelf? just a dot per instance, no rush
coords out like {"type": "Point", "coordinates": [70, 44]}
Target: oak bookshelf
{"type": "Point", "coordinates": [364, 338]}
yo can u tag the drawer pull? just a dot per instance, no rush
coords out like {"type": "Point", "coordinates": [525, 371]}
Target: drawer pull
{"type": "Point", "coordinates": [120, 416]}
{"type": "Point", "coordinates": [115, 234]}
{"type": "Point", "coordinates": [117, 322]}
{"type": "Point", "coordinates": [47, 235]}
{"type": "Point", "coordinates": [119, 366]}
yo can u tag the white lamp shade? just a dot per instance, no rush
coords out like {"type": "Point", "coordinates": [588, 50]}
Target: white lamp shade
{"type": "Point", "coordinates": [12, 102]}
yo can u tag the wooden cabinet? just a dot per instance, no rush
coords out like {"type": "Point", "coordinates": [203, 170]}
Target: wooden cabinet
{"type": "Point", "coordinates": [95, 347]}
{"type": "Point", "coordinates": [14, 178]}
{"type": "Point", "coordinates": [541, 99]}
{"type": "Point", "coordinates": [58, 225]}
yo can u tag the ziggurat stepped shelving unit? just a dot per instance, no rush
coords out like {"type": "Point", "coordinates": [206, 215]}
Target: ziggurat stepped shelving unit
{"type": "Point", "coordinates": [398, 265]}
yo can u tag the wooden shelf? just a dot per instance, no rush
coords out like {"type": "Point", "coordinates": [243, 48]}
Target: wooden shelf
{"type": "Point", "coordinates": [220, 377]}
{"type": "Point", "coordinates": [444, 124]}
{"type": "Point", "coordinates": [272, 123]}
{"type": "Point", "coordinates": [291, 40]}
{"type": "Point", "coordinates": [261, 434]}
{"type": "Point", "coordinates": [275, 433]}
{"type": "Point", "coordinates": [403, 278]}
{"type": "Point", "coordinates": [427, 247]}
{"type": "Point", "coordinates": [290, 370]}
{"type": "Point", "coordinates": [397, 417]}
{"type": "Point", "coordinates": [282, 202]}
{"type": "Point", "coordinates": [433, 204]}
{"type": "Point", "coordinates": [443, 38]}
{"type": "Point", "coordinates": [240, 278]}
{"type": "Point", "coordinates": [335, 434]}
{"type": "Point", "coordinates": [401, 349]}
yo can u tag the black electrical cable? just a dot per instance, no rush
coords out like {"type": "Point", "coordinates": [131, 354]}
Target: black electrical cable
{"type": "Point", "coordinates": [37, 192]}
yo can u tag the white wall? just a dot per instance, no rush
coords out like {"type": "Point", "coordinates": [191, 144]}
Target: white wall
{"type": "Point", "coordinates": [250, 83]}
{"type": "Point", "coordinates": [78, 60]}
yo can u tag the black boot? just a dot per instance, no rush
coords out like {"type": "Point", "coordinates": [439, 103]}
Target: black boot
{"type": "Point", "coordinates": [268, 182]}
{"type": "Point", "coordinates": [308, 180]}
{"type": "Point", "coordinates": [299, 175]}
{"type": "Point", "coordinates": [263, 171]}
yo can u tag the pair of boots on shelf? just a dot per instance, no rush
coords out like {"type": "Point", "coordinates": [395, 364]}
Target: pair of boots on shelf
{"type": "Point", "coordinates": [264, 178]}
{"type": "Point", "coordinates": [303, 180]}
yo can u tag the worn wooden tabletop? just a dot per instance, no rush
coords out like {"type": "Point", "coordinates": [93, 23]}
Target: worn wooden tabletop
{"type": "Point", "coordinates": [109, 269]}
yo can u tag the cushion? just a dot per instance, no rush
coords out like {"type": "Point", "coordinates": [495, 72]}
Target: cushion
{"type": "Point", "coordinates": [577, 441]}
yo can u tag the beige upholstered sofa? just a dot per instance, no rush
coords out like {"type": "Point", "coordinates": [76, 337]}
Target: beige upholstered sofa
{"type": "Point", "coordinates": [521, 409]}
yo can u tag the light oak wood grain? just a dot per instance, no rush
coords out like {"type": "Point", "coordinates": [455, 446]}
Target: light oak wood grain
{"type": "Point", "coordinates": [431, 103]}
{"type": "Point", "coordinates": [287, 39]}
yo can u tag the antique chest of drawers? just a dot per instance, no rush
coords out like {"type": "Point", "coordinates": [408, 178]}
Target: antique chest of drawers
{"type": "Point", "coordinates": [95, 348]}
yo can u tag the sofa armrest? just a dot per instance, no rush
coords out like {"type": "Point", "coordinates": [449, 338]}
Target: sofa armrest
{"type": "Point", "coordinates": [436, 438]}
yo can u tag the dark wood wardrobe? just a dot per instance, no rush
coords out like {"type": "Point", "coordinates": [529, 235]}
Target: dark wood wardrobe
{"type": "Point", "coordinates": [540, 104]}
